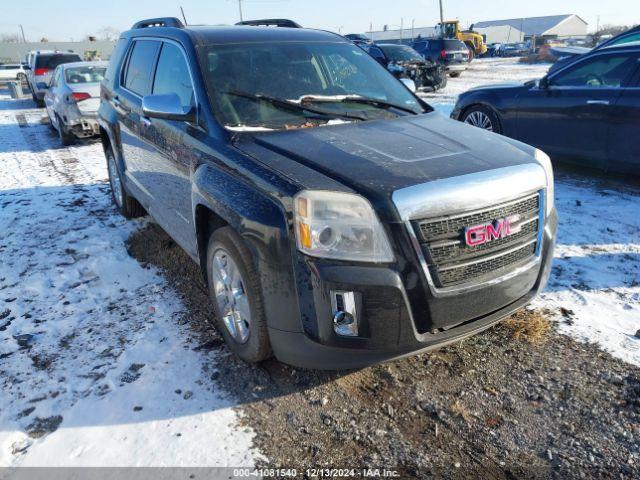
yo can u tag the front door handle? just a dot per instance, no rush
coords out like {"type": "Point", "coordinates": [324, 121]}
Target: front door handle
{"type": "Point", "coordinates": [597, 102]}
{"type": "Point", "coordinates": [145, 121]}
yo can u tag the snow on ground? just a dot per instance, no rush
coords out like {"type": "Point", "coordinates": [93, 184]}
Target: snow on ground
{"type": "Point", "coordinates": [594, 289]}
{"type": "Point", "coordinates": [91, 347]}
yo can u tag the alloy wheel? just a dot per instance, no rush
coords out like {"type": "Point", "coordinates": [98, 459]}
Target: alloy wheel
{"type": "Point", "coordinates": [231, 296]}
{"type": "Point", "coordinates": [479, 119]}
{"type": "Point", "coordinates": [114, 180]}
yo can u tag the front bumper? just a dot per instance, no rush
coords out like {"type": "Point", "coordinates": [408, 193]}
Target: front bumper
{"type": "Point", "coordinates": [390, 313]}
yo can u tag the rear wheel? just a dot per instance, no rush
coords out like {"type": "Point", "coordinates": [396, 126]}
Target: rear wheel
{"type": "Point", "coordinates": [482, 117]}
{"type": "Point", "coordinates": [234, 288]}
{"type": "Point", "coordinates": [128, 206]}
{"type": "Point", "coordinates": [66, 138]}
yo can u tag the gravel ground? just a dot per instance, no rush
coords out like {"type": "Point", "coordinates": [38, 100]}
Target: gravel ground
{"type": "Point", "coordinates": [499, 405]}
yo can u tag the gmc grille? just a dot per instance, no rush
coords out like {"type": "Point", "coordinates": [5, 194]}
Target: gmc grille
{"type": "Point", "coordinates": [452, 262]}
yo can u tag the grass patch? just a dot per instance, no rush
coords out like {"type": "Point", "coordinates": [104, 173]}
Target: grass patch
{"type": "Point", "coordinates": [528, 325]}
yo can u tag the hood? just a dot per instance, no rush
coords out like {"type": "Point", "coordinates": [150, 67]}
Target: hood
{"type": "Point", "coordinates": [376, 158]}
{"type": "Point", "coordinates": [495, 86]}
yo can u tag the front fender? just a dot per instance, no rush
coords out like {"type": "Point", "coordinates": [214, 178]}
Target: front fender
{"type": "Point", "coordinates": [505, 108]}
{"type": "Point", "coordinates": [263, 223]}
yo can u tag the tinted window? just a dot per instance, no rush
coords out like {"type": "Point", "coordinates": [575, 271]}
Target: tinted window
{"type": "Point", "coordinates": [454, 45]}
{"type": "Point", "coordinates": [140, 65]}
{"type": "Point", "coordinates": [53, 60]}
{"type": "Point", "coordinates": [420, 45]}
{"type": "Point", "coordinates": [172, 75]}
{"type": "Point", "coordinates": [635, 37]}
{"type": "Point", "coordinates": [115, 58]}
{"type": "Point", "coordinates": [376, 53]}
{"type": "Point", "coordinates": [604, 71]}
{"type": "Point", "coordinates": [435, 45]}
{"type": "Point", "coordinates": [401, 53]}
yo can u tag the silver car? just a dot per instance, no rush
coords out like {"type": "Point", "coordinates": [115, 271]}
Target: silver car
{"type": "Point", "coordinates": [72, 99]}
{"type": "Point", "coordinates": [41, 66]}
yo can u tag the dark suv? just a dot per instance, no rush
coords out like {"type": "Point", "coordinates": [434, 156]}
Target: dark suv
{"type": "Point", "coordinates": [338, 220]}
{"type": "Point", "coordinates": [453, 54]}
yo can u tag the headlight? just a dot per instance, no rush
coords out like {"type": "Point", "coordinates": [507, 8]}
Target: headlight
{"type": "Point", "coordinates": [341, 226]}
{"type": "Point", "coordinates": [545, 161]}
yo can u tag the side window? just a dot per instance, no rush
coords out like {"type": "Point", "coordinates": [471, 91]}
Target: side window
{"type": "Point", "coordinates": [172, 75]}
{"type": "Point", "coordinates": [140, 66]}
{"type": "Point", "coordinates": [116, 57]}
{"type": "Point", "coordinates": [420, 46]}
{"type": "Point", "coordinates": [376, 53]}
{"type": "Point", "coordinates": [603, 71]}
{"type": "Point", "coordinates": [55, 77]}
{"type": "Point", "coordinates": [635, 37]}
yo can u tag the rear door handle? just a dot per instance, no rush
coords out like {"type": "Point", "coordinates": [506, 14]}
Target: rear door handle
{"type": "Point", "coordinates": [597, 102]}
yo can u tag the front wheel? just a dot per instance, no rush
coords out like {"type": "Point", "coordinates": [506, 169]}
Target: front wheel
{"type": "Point", "coordinates": [234, 288]}
{"type": "Point", "coordinates": [482, 117]}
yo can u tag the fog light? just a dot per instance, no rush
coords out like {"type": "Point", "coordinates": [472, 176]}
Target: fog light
{"type": "Point", "coordinates": [345, 318]}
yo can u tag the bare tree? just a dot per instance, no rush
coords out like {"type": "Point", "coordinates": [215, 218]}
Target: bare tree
{"type": "Point", "coordinates": [10, 38]}
{"type": "Point", "coordinates": [109, 34]}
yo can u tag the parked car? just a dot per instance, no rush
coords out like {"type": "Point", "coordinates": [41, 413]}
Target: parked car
{"type": "Point", "coordinates": [339, 220]}
{"type": "Point", "coordinates": [570, 54]}
{"type": "Point", "coordinates": [586, 113]}
{"type": "Point", "coordinates": [72, 99]}
{"type": "Point", "coordinates": [12, 71]}
{"type": "Point", "coordinates": [358, 38]}
{"type": "Point", "coordinates": [41, 66]}
{"type": "Point", "coordinates": [453, 54]}
{"type": "Point", "coordinates": [404, 62]}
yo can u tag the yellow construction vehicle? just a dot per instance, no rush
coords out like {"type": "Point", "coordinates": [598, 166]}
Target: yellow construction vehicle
{"type": "Point", "coordinates": [474, 41]}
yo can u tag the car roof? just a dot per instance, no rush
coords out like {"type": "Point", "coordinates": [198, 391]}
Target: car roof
{"type": "Point", "coordinates": [99, 63]}
{"type": "Point", "coordinates": [208, 35]}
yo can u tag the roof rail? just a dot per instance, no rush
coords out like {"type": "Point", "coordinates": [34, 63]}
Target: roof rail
{"type": "Point", "coordinates": [159, 22]}
{"type": "Point", "coordinates": [271, 22]}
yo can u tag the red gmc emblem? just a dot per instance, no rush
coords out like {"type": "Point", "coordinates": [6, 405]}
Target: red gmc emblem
{"type": "Point", "coordinates": [488, 232]}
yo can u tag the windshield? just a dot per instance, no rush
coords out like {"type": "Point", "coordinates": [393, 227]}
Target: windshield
{"type": "Point", "coordinates": [248, 83]}
{"type": "Point", "coordinates": [400, 53]}
{"type": "Point", "coordinates": [85, 74]}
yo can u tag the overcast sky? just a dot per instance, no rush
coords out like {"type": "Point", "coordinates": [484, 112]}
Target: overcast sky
{"type": "Point", "coordinates": [74, 19]}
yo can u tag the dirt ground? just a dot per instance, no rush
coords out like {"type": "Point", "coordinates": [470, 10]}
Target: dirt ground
{"type": "Point", "coordinates": [518, 401]}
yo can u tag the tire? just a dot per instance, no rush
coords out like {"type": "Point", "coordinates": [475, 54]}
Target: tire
{"type": "Point", "coordinates": [66, 138]}
{"type": "Point", "coordinates": [39, 103]}
{"type": "Point", "coordinates": [478, 115]}
{"type": "Point", "coordinates": [454, 74]}
{"type": "Point", "coordinates": [237, 296]}
{"type": "Point", "coordinates": [127, 205]}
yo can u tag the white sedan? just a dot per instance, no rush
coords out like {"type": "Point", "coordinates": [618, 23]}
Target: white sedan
{"type": "Point", "coordinates": [12, 71]}
{"type": "Point", "coordinates": [72, 99]}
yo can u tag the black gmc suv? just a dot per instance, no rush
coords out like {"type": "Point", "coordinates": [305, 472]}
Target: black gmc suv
{"type": "Point", "coordinates": [338, 220]}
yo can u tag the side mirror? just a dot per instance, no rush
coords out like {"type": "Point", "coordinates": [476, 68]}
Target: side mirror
{"type": "Point", "coordinates": [42, 86]}
{"type": "Point", "coordinates": [167, 107]}
{"type": "Point", "coordinates": [410, 84]}
{"type": "Point", "coordinates": [543, 83]}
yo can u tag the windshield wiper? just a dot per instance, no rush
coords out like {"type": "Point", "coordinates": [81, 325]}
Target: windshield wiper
{"type": "Point", "coordinates": [355, 99]}
{"type": "Point", "coordinates": [293, 106]}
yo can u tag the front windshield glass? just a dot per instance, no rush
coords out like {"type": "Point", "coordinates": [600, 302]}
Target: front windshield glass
{"type": "Point", "coordinates": [247, 83]}
{"type": "Point", "coordinates": [400, 53]}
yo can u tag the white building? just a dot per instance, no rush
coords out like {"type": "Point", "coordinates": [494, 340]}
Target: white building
{"type": "Point", "coordinates": [501, 34]}
{"type": "Point", "coordinates": [550, 27]}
